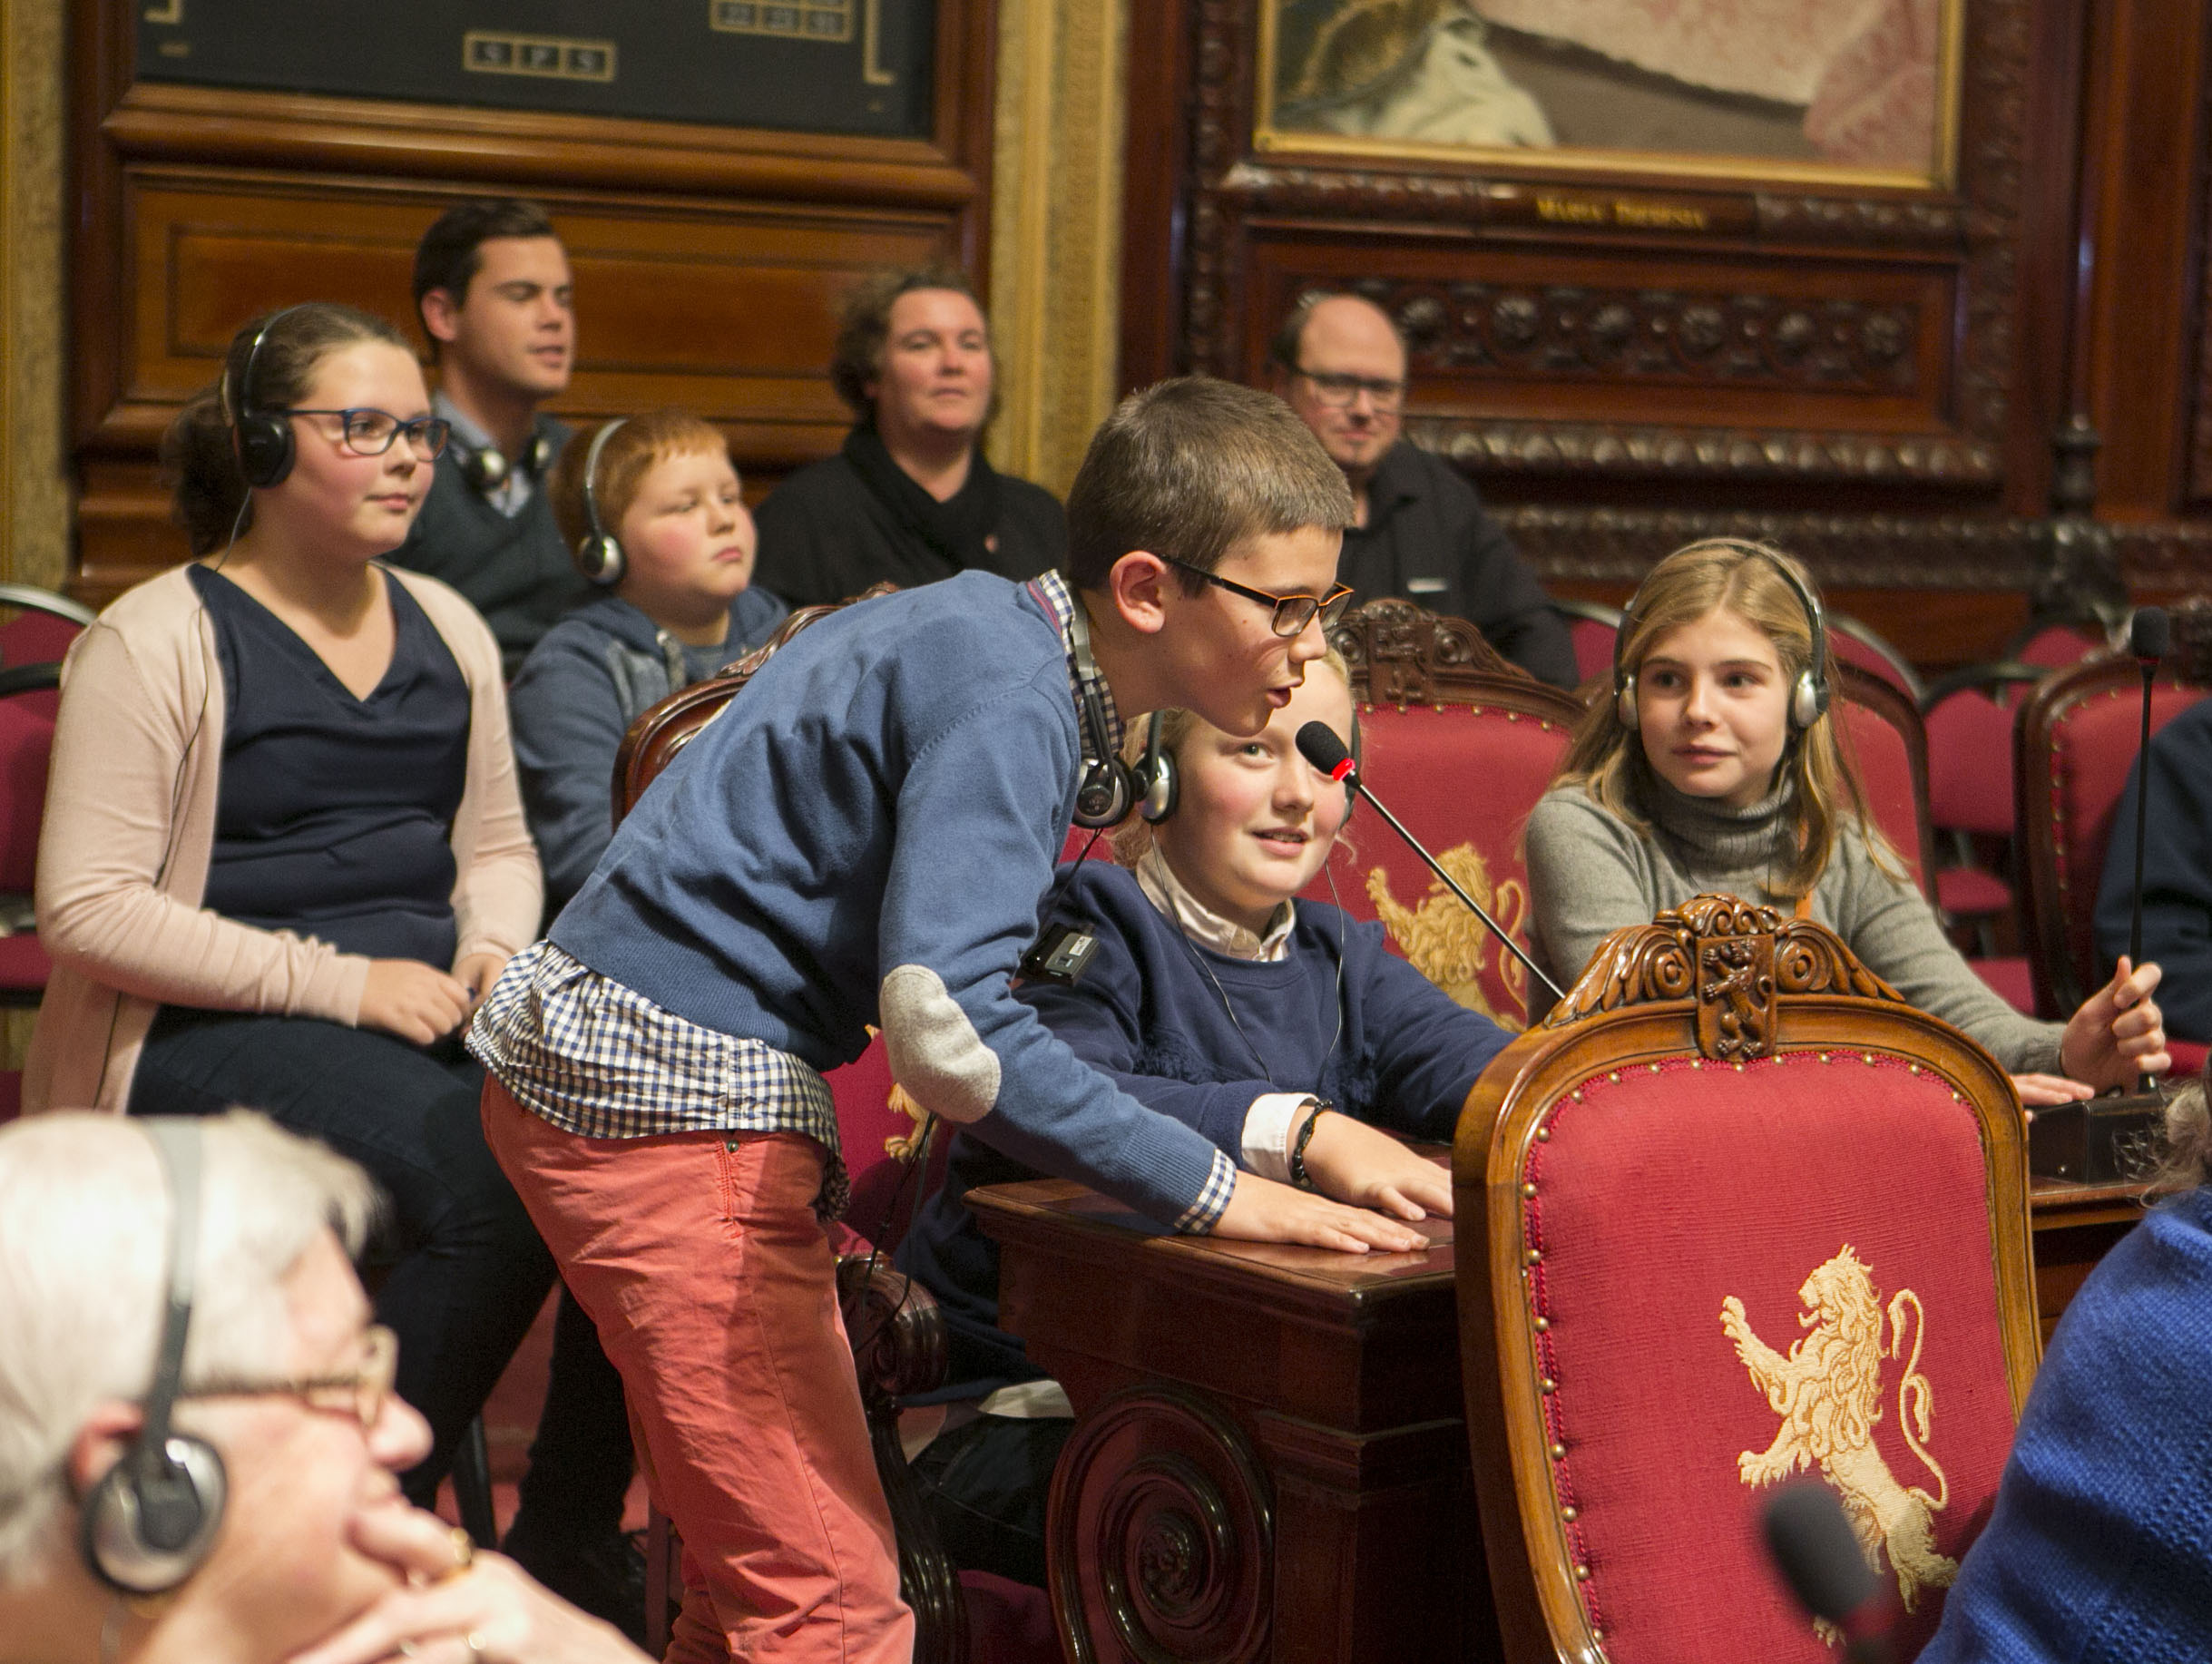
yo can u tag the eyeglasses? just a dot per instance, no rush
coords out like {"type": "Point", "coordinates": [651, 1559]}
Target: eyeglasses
{"type": "Point", "coordinates": [361, 1392]}
{"type": "Point", "coordinates": [371, 433]}
{"type": "Point", "coordinates": [1338, 391]}
{"type": "Point", "coordinates": [1292, 612]}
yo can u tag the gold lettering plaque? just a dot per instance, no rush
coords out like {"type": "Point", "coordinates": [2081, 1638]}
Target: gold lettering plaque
{"type": "Point", "coordinates": [797, 20]}
{"type": "Point", "coordinates": [490, 52]}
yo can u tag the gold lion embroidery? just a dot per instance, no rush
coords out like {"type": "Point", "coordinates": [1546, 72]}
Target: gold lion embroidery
{"type": "Point", "coordinates": [1447, 944]}
{"type": "Point", "coordinates": [1828, 1393]}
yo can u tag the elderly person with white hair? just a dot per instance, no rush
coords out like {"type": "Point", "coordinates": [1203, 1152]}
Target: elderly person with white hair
{"type": "Point", "coordinates": [209, 1260]}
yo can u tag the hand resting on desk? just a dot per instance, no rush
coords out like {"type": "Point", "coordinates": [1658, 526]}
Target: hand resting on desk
{"type": "Point", "coordinates": [1262, 1210]}
{"type": "Point", "coordinates": [1355, 1163]}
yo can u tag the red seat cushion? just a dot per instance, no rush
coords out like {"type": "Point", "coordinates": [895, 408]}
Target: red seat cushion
{"type": "Point", "coordinates": [1885, 770]}
{"type": "Point", "coordinates": [1667, 1194]}
{"type": "Point", "coordinates": [1970, 764]}
{"type": "Point", "coordinates": [26, 744]}
{"type": "Point", "coordinates": [23, 964]}
{"type": "Point", "coordinates": [1968, 892]}
{"type": "Point", "coordinates": [1464, 779]}
{"type": "Point", "coordinates": [1008, 1623]}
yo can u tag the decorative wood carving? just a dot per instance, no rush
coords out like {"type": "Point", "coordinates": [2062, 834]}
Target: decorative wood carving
{"type": "Point", "coordinates": [1403, 654]}
{"type": "Point", "coordinates": [1627, 450]}
{"type": "Point", "coordinates": [1731, 956]}
{"type": "Point", "coordinates": [1162, 1534]}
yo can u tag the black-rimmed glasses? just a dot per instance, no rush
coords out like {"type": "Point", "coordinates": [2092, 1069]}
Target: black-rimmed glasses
{"type": "Point", "coordinates": [361, 1392]}
{"type": "Point", "coordinates": [368, 432]}
{"type": "Point", "coordinates": [1292, 612]}
{"type": "Point", "coordinates": [1337, 391]}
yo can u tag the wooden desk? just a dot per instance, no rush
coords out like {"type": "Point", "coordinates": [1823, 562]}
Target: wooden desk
{"type": "Point", "coordinates": [1271, 1460]}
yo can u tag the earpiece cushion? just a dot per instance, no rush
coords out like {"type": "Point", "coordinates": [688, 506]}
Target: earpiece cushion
{"type": "Point", "coordinates": [145, 1538]}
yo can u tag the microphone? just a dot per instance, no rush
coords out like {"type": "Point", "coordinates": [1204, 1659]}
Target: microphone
{"type": "Point", "coordinates": [2150, 633]}
{"type": "Point", "coordinates": [1319, 745]}
{"type": "Point", "coordinates": [1818, 1555]}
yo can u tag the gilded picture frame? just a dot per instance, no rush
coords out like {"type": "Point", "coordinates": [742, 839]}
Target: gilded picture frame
{"type": "Point", "coordinates": [1804, 92]}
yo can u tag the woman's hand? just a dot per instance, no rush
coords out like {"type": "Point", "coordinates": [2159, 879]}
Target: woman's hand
{"type": "Point", "coordinates": [459, 1609]}
{"type": "Point", "coordinates": [1262, 1210]}
{"type": "Point", "coordinates": [2118, 1035]}
{"type": "Point", "coordinates": [417, 1002]}
{"type": "Point", "coordinates": [477, 972]}
{"type": "Point", "coordinates": [1354, 1164]}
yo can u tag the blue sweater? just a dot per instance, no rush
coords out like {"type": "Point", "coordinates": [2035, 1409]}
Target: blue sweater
{"type": "Point", "coordinates": [2177, 872]}
{"type": "Point", "coordinates": [1149, 1015]}
{"type": "Point", "coordinates": [584, 684]}
{"type": "Point", "coordinates": [863, 837]}
{"type": "Point", "coordinates": [2100, 1544]}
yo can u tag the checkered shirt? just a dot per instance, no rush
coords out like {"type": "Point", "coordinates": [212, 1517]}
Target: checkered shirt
{"type": "Point", "coordinates": [1052, 589]}
{"type": "Point", "coordinates": [602, 1060]}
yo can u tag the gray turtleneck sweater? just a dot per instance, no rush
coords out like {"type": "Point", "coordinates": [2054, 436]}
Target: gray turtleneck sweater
{"type": "Point", "coordinates": [1589, 872]}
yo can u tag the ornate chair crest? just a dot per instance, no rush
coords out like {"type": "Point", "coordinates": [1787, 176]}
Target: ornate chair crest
{"type": "Point", "coordinates": [1461, 744]}
{"type": "Point", "coordinates": [1729, 1133]}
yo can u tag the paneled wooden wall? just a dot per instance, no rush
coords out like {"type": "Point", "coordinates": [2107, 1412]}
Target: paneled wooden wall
{"type": "Point", "coordinates": [708, 261]}
{"type": "Point", "coordinates": [1962, 403]}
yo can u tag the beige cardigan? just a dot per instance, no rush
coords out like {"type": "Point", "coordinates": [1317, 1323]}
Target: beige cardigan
{"type": "Point", "coordinates": [130, 825]}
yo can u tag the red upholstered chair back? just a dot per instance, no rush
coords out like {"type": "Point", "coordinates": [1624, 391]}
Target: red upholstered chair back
{"type": "Point", "coordinates": [1734, 1212]}
{"type": "Point", "coordinates": [1881, 728]}
{"type": "Point", "coordinates": [1853, 642]}
{"type": "Point", "coordinates": [27, 744]}
{"type": "Point", "coordinates": [1593, 627]}
{"type": "Point", "coordinates": [2074, 741]}
{"type": "Point", "coordinates": [1461, 745]}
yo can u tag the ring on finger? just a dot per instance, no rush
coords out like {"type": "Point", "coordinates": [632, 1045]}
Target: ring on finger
{"type": "Point", "coordinates": [463, 1552]}
{"type": "Point", "coordinates": [475, 1643]}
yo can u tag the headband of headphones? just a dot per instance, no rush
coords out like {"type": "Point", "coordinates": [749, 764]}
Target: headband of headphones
{"type": "Point", "coordinates": [600, 554]}
{"type": "Point", "coordinates": [1808, 693]}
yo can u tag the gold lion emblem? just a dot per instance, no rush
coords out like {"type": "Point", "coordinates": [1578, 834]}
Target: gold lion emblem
{"type": "Point", "coordinates": [1828, 1393]}
{"type": "Point", "coordinates": [1447, 944]}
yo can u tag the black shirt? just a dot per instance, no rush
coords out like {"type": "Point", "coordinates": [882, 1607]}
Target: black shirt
{"type": "Point", "coordinates": [827, 533]}
{"type": "Point", "coordinates": [334, 814]}
{"type": "Point", "coordinates": [1428, 540]}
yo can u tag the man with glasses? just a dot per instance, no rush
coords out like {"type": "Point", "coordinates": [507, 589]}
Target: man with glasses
{"type": "Point", "coordinates": [491, 287]}
{"type": "Point", "coordinates": [1421, 532]}
{"type": "Point", "coordinates": [284, 1383]}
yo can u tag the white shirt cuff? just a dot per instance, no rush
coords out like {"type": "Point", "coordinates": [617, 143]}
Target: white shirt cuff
{"type": "Point", "coordinates": [1267, 1126]}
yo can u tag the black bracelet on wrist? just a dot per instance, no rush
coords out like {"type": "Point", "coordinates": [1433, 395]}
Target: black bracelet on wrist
{"type": "Point", "coordinates": [1300, 1177]}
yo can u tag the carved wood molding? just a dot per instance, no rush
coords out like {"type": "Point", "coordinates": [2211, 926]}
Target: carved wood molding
{"type": "Point", "coordinates": [1401, 654]}
{"type": "Point", "coordinates": [1732, 957]}
{"type": "Point", "coordinates": [1980, 227]}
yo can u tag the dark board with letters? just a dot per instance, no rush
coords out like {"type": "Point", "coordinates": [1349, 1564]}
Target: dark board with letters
{"type": "Point", "coordinates": [830, 66]}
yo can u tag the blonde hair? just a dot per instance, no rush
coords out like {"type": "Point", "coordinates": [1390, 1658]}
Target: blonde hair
{"type": "Point", "coordinates": [1133, 836]}
{"type": "Point", "coordinates": [1734, 575]}
{"type": "Point", "coordinates": [630, 455]}
{"type": "Point", "coordinates": [2187, 1156]}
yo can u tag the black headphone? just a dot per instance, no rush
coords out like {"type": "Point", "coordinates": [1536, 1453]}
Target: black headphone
{"type": "Point", "coordinates": [1808, 695]}
{"type": "Point", "coordinates": [486, 467]}
{"type": "Point", "coordinates": [1157, 784]}
{"type": "Point", "coordinates": [265, 448]}
{"type": "Point", "coordinates": [1109, 785]}
{"type": "Point", "coordinates": [599, 556]}
{"type": "Point", "coordinates": [149, 1520]}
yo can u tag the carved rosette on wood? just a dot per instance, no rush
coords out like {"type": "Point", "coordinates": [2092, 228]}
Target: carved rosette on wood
{"type": "Point", "coordinates": [1161, 1540]}
{"type": "Point", "coordinates": [1732, 957]}
{"type": "Point", "coordinates": [1404, 654]}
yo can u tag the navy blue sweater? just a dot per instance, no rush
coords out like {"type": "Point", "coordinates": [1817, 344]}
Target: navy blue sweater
{"type": "Point", "coordinates": [863, 836]}
{"type": "Point", "coordinates": [2177, 872]}
{"type": "Point", "coordinates": [1149, 1015]}
{"type": "Point", "coordinates": [2100, 1544]}
{"type": "Point", "coordinates": [578, 692]}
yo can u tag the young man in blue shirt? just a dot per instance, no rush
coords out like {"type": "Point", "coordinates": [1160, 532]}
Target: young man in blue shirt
{"type": "Point", "coordinates": [864, 836]}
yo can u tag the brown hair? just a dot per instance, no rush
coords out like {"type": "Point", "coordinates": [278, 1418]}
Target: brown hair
{"type": "Point", "coordinates": [864, 325]}
{"type": "Point", "coordinates": [1133, 836]}
{"type": "Point", "coordinates": [451, 252]}
{"type": "Point", "coordinates": [200, 451]}
{"type": "Point", "coordinates": [1191, 468]}
{"type": "Point", "coordinates": [629, 454]}
{"type": "Point", "coordinates": [1291, 339]}
{"type": "Point", "coordinates": [1716, 574]}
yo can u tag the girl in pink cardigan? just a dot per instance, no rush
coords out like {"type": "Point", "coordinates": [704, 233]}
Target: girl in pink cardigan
{"type": "Point", "coordinates": [284, 856]}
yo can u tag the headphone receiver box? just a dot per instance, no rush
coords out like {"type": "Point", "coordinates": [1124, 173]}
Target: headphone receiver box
{"type": "Point", "coordinates": [2106, 1140]}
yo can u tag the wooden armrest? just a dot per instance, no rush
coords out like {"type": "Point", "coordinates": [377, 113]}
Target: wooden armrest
{"type": "Point", "coordinates": [896, 1330]}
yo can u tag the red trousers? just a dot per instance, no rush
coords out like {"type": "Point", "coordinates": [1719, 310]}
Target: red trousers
{"type": "Point", "coordinates": [698, 1257]}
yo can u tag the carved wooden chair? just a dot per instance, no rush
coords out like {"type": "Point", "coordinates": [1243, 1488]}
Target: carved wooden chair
{"type": "Point", "coordinates": [1460, 744]}
{"type": "Point", "coordinates": [2073, 742]}
{"type": "Point", "coordinates": [1734, 1211]}
{"type": "Point", "coordinates": [895, 1329]}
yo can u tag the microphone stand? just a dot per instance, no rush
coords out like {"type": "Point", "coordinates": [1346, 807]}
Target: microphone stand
{"type": "Point", "coordinates": [2149, 668]}
{"type": "Point", "coordinates": [1452, 883]}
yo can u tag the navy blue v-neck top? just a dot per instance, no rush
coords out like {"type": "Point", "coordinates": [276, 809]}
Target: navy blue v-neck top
{"type": "Point", "coordinates": [334, 816]}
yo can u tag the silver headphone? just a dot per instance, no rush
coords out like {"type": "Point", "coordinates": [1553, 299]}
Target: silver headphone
{"type": "Point", "coordinates": [599, 556]}
{"type": "Point", "coordinates": [150, 1520]}
{"type": "Point", "coordinates": [1808, 695]}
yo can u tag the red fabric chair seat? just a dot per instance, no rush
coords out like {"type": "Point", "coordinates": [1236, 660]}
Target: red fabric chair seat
{"type": "Point", "coordinates": [23, 968]}
{"type": "Point", "coordinates": [2010, 975]}
{"type": "Point", "coordinates": [1969, 892]}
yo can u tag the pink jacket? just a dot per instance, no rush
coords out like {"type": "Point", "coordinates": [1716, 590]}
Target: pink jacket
{"type": "Point", "coordinates": [130, 824]}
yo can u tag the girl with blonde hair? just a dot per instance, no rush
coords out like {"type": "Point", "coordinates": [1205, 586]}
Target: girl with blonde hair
{"type": "Point", "coordinates": [1715, 766]}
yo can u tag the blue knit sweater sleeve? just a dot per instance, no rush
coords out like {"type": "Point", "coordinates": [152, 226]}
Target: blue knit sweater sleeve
{"type": "Point", "coordinates": [568, 724]}
{"type": "Point", "coordinates": [981, 816]}
{"type": "Point", "coordinates": [1427, 1048]}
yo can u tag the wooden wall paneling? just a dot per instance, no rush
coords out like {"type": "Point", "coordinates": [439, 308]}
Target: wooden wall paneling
{"type": "Point", "coordinates": [709, 262]}
{"type": "Point", "coordinates": [1154, 192]}
{"type": "Point", "coordinates": [2142, 160]}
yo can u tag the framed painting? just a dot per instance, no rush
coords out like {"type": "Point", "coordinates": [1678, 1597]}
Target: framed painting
{"type": "Point", "coordinates": [1846, 92]}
